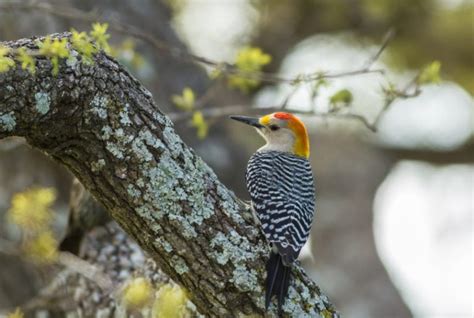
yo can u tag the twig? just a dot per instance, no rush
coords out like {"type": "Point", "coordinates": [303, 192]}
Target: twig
{"type": "Point", "coordinates": [164, 48]}
{"type": "Point", "coordinates": [289, 96]}
{"type": "Point", "coordinates": [385, 41]}
{"type": "Point", "coordinates": [86, 269]}
{"type": "Point", "coordinates": [69, 261]}
{"type": "Point", "coordinates": [403, 93]}
{"type": "Point", "coordinates": [211, 91]}
{"type": "Point", "coordinates": [219, 112]}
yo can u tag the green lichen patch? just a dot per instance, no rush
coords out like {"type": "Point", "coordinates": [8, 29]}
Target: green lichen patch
{"type": "Point", "coordinates": [106, 133]}
{"type": "Point", "coordinates": [169, 184]}
{"type": "Point", "coordinates": [140, 149]}
{"type": "Point", "coordinates": [299, 294]}
{"type": "Point", "coordinates": [172, 140]}
{"type": "Point", "coordinates": [164, 244]}
{"type": "Point", "coordinates": [71, 61]}
{"type": "Point", "coordinates": [43, 102]}
{"type": "Point", "coordinates": [236, 249]}
{"type": "Point", "coordinates": [114, 150]}
{"type": "Point", "coordinates": [98, 165]}
{"type": "Point", "coordinates": [124, 116]}
{"type": "Point", "coordinates": [245, 279]}
{"type": "Point", "coordinates": [293, 305]}
{"type": "Point", "coordinates": [228, 204]}
{"type": "Point", "coordinates": [151, 140]}
{"type": "Point", "coordinates": [99, 106]}
{"type": "Point", "coordinates": [133, 191]}
{"type": "Point", "coordinates": [7, 122]}
{"type": "Point", "coordinates": [179, 265]}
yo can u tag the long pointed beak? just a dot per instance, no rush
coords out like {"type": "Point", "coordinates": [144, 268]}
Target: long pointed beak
{"type": "Point", "coordinates": [252, 121]}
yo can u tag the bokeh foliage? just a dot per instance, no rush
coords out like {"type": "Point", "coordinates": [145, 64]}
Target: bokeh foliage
{"type": "Point", "coordinates": [426, 30]}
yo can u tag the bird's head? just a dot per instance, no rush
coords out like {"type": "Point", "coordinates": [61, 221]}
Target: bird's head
{"type": "Point", "coordinates": [282, 131]}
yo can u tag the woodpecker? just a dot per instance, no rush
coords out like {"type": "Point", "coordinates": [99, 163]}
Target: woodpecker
{"type": "Point", "coordinates": [280, 183]}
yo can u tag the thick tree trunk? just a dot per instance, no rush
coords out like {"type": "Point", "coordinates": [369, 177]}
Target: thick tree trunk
{"type": "Point", "coordinates": [103, 125]}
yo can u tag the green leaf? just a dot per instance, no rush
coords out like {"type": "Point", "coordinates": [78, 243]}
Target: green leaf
{"type": "Point", "coordinates": [186, 100]}
{"type": "Point", "coordinates": [5, 61]}
{"type": "Point", "coordinates": [54, 49]}
{"type": "Point", "coordinates": [82, 43]}
{"type": "Point", "coordinates": [430, 74]}
{"type": "Point", "coordinates": [100, 35]}
{"type": "Point", "coordinates": [26, 60]}
{"type": "Point", "coordinates": [344, 97]}
{"type": "Point", "coordinates": [316, 87]}
{"type": "Point", "coordinates": [249, 61]}
{"type": "Point", "coordinates": [200, 124]}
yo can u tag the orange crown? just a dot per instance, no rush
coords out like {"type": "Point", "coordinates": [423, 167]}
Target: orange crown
{"type": "Point", "coordinates": [301, 145]}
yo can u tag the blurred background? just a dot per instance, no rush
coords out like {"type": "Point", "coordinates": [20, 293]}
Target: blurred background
{"type": "Point", "coordinates": [393, 235]}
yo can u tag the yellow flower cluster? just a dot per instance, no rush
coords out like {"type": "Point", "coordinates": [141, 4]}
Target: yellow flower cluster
{"type": "Point", "coordinates": [100, 36]}
{"type": "Point", "coordinates": [200, 124]}
{"type": "Point", "coordinates": [16, 314]}
{"type": "Point", "coordinates": [5, 61]}
{"type": "Point", "coordinates": [137, 293]}
{"type": "Point", "coordinates": [249, 61]}
{"type": "Point", "coordinates": [170, 301]}
{"type": "Point", "coordinates": [31, 211]}
{"type": "Point", "coordinates": [82, 43]}
{"type": "Point", "coordinates": [184, 101]}
{"type": "Point", "coordinates": [42, 248]}
{"type": "Point", "coordinates": [56, 49]}
{"type": "Point", "coordinates": [26, 60]}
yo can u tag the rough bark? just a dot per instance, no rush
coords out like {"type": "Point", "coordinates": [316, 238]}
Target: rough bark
{"type": "Point", "coordinates": [103, 125]}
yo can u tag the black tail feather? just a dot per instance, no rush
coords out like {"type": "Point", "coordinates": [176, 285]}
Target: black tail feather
{"type": "Point", "coordinates": [285, 284]}
{"type": "Point", "coordinates": [277, 282]}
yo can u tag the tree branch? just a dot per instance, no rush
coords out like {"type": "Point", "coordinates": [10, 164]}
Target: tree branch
{"type": "Point", "coordinates": [103, 125]}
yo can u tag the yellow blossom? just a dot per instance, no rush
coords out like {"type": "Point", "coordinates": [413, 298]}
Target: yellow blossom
{"type": "Point", "coordinates": [184, 101]}
{"type": "Point", "coordinates": [170, 302]}
{"type": "Point", "coordinates": [54, 49]}
{"type": "Point", "coordinates": [5, 62]}
{"type": "Point", "coordinates": [137, 293]}
{"type": "Point", "coordinates": [42, 248]}
{"type": "Point", "coordinates": [200, 124]}
{"type": "Point", "coordinates": [82, 43]}
{"type": "Point", "coordinates": [100, 35]}
{"type": "Point", "coordinates": [31, 209]}
{"type": "Point", "coordinates": [16, 314]}
{"type": "Point", "coordinates": [27, 61]}
{"type": "Point", "coordinates": [249, 62]}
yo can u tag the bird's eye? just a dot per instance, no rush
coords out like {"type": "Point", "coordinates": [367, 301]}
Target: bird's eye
{"type": "Point", "coordinates": [274, 127]}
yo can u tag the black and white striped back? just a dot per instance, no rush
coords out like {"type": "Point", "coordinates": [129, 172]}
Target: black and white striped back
{"type": "Point", "coordinates": [282, 192]}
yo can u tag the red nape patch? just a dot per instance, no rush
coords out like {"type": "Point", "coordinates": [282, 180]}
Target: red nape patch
{"type": "Point", "coordinates": [282, 115]}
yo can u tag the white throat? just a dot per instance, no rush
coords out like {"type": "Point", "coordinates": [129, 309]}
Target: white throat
{"type": "Point", "coordinates": [282, 140]}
